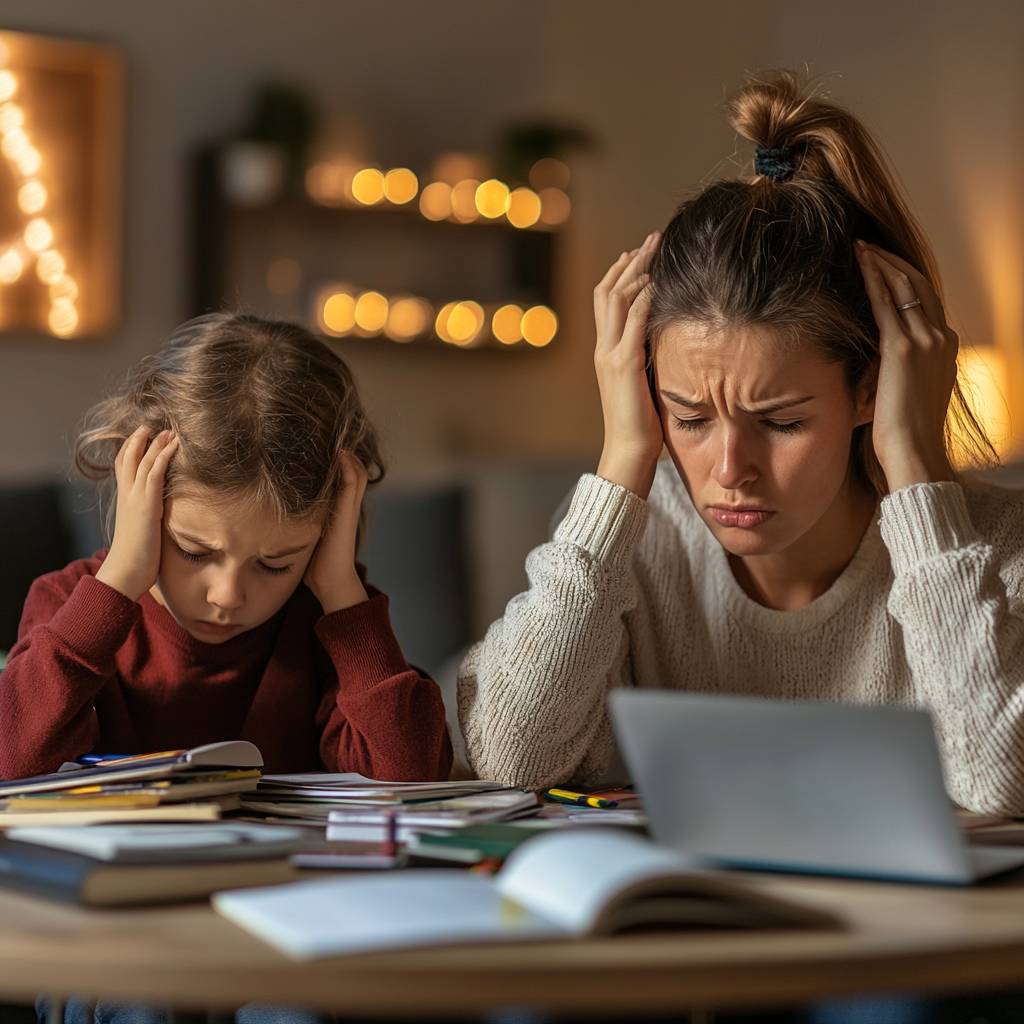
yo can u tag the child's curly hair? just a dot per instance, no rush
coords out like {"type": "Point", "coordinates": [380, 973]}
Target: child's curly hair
{"type": "Point", "coordinates": [262, 410]}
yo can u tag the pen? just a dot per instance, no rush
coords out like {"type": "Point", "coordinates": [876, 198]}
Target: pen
{"type": "Point", "coordinates": [566, 796]}
{"type": "Point", "coordinates": [390, 847]}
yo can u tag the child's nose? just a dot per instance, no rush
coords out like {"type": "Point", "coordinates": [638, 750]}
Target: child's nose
{"type": "Point", "coordinates": [226, 590]}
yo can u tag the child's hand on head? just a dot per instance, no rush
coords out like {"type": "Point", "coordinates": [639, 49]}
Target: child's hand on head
{"type": "Point", "coordinates": [331, 573]}
{"type": "Point", "coordinates": [133, 562]}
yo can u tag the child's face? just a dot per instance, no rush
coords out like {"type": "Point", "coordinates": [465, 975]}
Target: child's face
{"type": "Point", "coordinates": [223, 572]}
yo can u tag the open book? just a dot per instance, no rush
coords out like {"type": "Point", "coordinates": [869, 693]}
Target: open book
{"type": "Point", "coordinates": [557, 885]}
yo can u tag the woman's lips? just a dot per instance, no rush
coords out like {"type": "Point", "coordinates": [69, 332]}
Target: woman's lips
{"type": "Point", "coordinates": [744, 518]}
{"type": "Point", "coordinates": [217, 627]}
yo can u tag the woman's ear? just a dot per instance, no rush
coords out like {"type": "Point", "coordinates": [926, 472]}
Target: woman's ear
{"type": "Point", "coordinates": [864, 397]}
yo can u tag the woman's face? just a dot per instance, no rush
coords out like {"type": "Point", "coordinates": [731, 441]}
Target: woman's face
{"type": "Point", "coordinates": [222, 571]}
{"type": "Point", "coordinates": [759, 429]}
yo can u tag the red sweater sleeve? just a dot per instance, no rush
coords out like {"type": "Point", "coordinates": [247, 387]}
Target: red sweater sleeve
{"type": "Point", "coordinates": [68, 640]}
{"type": "Point", "coordinates": [381, 717]}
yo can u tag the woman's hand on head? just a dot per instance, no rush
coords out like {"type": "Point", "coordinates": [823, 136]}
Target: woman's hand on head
{"type": "Point", "coordinates": [916, 373]}
{"type": "Point", "coordinates": [331, 573]}
{"type": "Point", "coordinates": [632, 427]}
{"type": "Point", "coordinates": [133, 562]}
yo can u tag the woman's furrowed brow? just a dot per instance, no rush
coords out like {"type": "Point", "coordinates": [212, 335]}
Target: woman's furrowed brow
{"type": "Point", "coordinates": [759, 408]}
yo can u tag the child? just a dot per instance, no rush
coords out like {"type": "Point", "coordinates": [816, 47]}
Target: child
{"type": "Point", "coordinates": [229, 604]}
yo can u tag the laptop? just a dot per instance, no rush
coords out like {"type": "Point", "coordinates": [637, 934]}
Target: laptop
{"type": "Point", "coordinates": [798, 786]}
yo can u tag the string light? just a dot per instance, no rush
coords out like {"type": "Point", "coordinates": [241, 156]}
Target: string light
{"type": "Point", "coordinates": [50, 266]}
{"type": "Point", "coordinates": [408, 318]}
{"type": "Point", "coordinates": [539, 326]}
{"type": "Point", "coordinates": [491, 199]}
{"type": "Point", "coordinates": [31, 197]}
{"type": "Point", "coordinates": [342, 311]}
{"type": "Point", "coordinates": [368, 186]}
{"type": "Point", "coordinates": [506, 324]}
{"type": "Point", "coordinates": [465, 322]}
{"type": "Point", "coordinates": [554, 206]}
{"type": "Point", "coordinates": [371, 312]}
{"type": "Point", "coordinates": [400, 186]}
{"type": "Point", "coordinates": [38, 235]}
{"type": "Point", "coordinates": [436, 201]}
{"type": "Point", "coordinates": [523, 208]}
{"type": "Point", "coordinates": [464, 200]}
{"type": "Point", "coordinates": [11, 266]}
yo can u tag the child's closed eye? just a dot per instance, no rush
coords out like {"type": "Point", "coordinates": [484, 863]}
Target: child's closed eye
{"type": "Point", "coordinates": [192, 556]}
{"type": "Point", "coordinates": [273, 570]}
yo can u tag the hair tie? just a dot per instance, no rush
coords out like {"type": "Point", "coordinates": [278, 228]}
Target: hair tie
{"type": "Point", "coordinates": [774, 163]}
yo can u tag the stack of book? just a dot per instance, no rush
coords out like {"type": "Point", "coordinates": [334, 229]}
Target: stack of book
{"type": "Point", "coordinates": [173, 785]}
{"type": "Point", "coordinates": [310, 798]}
{"type": "Point", "coordinates": [121, 865]}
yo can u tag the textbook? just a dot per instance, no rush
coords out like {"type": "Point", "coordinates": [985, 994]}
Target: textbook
{"type": "Point", "coordinates": [370, 824]}
{"type": "Point", "coordinates": [113, 815]}
{"type": "Point", "coordinates": [120, 866]}
{"type": "Point", "coordinates": [235, 754]}
{"type": "Point", "coordinates": [561, 884]}
{"type": "Point", "coordinates": [351, 787]}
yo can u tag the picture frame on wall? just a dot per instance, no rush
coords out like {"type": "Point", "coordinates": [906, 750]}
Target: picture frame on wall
{"type": "Point", "coordinates": [61, 181]}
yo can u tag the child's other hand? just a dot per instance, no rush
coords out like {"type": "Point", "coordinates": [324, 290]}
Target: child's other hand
{"type": "Point", "coordinates": [331, 574]}
{"type": "Point", "coordinates": [133, 562]}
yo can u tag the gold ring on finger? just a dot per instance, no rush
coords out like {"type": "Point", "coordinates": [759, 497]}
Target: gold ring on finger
{"type": "Point", "coordinates": [908, 305]}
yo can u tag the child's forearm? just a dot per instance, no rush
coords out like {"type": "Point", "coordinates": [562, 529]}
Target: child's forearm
{"type": "Point", "coordinates": [382, 718]}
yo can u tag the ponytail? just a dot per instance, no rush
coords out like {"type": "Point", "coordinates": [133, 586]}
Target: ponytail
{"type": "Point", "coordinates": [776, 250]}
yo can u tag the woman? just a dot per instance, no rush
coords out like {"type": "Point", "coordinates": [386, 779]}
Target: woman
{"type": "Point", "coordinates": [809, 537]}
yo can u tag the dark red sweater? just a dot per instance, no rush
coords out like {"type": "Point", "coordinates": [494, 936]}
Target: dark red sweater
{"type": "Point", "coordinates": [94, 672]}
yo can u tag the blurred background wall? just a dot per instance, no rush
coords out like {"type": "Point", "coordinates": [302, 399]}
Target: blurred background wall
{"type": "Point", "coordinates": [942, 83]}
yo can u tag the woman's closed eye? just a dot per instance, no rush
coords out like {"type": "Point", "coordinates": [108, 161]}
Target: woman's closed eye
{"type": "Point", "coordinates": [690, 422]}
{"type": "Point", "coordinates": [790, 427]}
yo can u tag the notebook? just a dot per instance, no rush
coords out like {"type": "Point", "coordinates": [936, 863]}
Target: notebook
{"type": "Point", "coordinates": [557, 885]}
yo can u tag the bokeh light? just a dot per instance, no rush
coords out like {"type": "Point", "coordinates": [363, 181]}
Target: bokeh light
{"type": "Point", "coordinates": [330, 183]}
{"type": "Point", "coordinates": [8, 85]}
{"type": "Point", "coordinates": [539, 325]}
{"type": "Point", "coordinates": [31, 197]}
{"type": "Point", "coordinates": [436, 201]}
{"type": "Point", "coordinates": [400, 186]}
{"type": "Point", "coordinates": [65, 288]}
{"type": "Point", "coordinates": [452, 168]}
{"type": "Point", "coordinates": [523, 208]}
{"type": "Point", "coordinates": [464, 200]}
{"type": "Point", "coordinates": [11, 267]}
{"type": "Point", "coordinates": [38, 234]}
{"type": "Point", "coordinates": [63, 317]}
{"type": "Point", "coordinates": [371, 312]}
{"type": "Point", "coordinates": [441, 323]}
{"type": "Point", "coordinates": [554, 206]}
{"type": "Point", "coordinates": [15, 142]}
{"type": "Point", "coordinates": [28, 162]}
{"type": "Point", "coordinates": [337, 313]}
{"type": "Point", "coordinates": [11, 117]}
{"type": "Point", "coordinates": [549, 173]}
{"type": "Point", "coordinates": [50, 266]}
{"type": "Point", "coordinates": [408, 317]}
{"type": "Point", "coordinates": [506, 324]}
{"type": "Point", "coordinates": [368, 186]}
{"type": "Point", "coordinates": [491, 198]}
{"type": "Point", "coordinates": [465, 322]}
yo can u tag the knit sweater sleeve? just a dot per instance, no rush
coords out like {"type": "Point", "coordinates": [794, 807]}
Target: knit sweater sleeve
{"type": "Point", "coordinates": [964, 642]}
{"type": "Point", "coordinates": [532, 693]}
{"type": "Point", "coordinates": [70, 633]}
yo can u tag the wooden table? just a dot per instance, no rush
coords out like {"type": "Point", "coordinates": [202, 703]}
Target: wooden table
{"type": "Point", "coordinates": [898, 937]}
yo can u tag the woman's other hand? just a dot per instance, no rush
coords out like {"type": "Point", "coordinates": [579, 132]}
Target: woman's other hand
{"type": "Point", "coordinates": [632, 428]}
{"type": "Point", "coordinates": [331, 573]}
{"type": "Point", "coordinates": [916, 373]}
{"type": "Point", "coordinates": [133, 562]}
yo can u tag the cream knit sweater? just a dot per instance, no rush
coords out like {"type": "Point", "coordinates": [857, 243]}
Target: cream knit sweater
{"type": "Point", "coordinates": [929, 613]}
